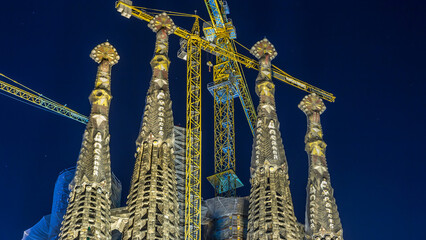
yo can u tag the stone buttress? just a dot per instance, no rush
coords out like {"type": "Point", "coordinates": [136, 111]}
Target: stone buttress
{"type": "Point", "coordinates": [271, 214]}
{"type": "Point", "coordinates": [322, 218]}
{"type": "Point", "coordinates": [152, 201]}
{"type": "Point", "coordinates": [88, 212]}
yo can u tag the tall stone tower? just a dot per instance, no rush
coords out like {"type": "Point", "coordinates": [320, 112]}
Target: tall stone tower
{"type": "Point", "coordinates": [271, 214]}
{"type": "Point", "coordinates": [322, 218]}
{"type": "Point", "coordinates": [88, 212]}
{"type": "Point", "coordinates": [152, 201]}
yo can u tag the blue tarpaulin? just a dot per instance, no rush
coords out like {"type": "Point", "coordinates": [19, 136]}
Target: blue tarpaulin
{"type": "Point", "coordinates": [49, 226]}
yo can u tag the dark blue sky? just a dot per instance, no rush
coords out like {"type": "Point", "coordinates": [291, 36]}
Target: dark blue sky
{"type": "Point", "coordinates": [369, 54]}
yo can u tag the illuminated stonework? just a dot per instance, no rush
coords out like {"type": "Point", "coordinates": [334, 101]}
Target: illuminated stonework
{"type": "Point", "coordinates": [152, 201]}
{"type": "Point", "coordinates": [271, 214]}
{"type": "Point", "coordinates": [88, 212]}
{"type": "Point", "coordinates": [322, 218]}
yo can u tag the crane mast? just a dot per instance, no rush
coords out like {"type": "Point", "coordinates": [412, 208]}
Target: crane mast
{"type": "Point", "coordinates": [227, 84]}
{"type": "Point", "coordinates": [193, 137]}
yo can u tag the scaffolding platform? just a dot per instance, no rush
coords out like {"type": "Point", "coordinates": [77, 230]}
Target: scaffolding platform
{"type": "Point", "coordinates": [225, 181]}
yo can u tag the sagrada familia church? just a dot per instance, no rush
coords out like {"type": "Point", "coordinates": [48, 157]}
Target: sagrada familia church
{"type": "Point", "coordinates": [89, 207]}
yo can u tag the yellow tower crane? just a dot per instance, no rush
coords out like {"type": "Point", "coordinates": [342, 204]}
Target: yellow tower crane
{"type": "Point", "coordinates": [229, 82]}
{"type": "Point", "coordinates": [193, 136]}
{"type": "Point", "coordinates": [38, 100]}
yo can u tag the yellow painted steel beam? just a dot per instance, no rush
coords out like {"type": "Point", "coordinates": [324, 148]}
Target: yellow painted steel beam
{"type": "Point", "coordinates": [40, 101]}
{"type": "Point", "coordinates": [244, 93]}
{"type": "Point", "coordinates": [193, 137]}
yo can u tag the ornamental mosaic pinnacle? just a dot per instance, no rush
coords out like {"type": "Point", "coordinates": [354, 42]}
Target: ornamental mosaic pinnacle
{"type": "Point", "coordinates": [271, 214]}
{"type": "Point", "coordinates": [88, 212]}
{"type": "Point", "coordinates": [322, 218]}
{"type": "Point", "coordinates": [152, 201]}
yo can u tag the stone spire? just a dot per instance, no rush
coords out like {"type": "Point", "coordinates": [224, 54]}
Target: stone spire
{"type": "Point", "coordinates": [152, 201]}
{"type": "Point", "coordinates": [271, 214]}
{"type": "Point", "coordinates": [322, 218]}
{"type": "Point", "coordinates": [88, 212]}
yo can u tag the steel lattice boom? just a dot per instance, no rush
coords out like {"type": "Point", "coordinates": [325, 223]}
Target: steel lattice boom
{"type": "Point", "coordinates": [41, 101]}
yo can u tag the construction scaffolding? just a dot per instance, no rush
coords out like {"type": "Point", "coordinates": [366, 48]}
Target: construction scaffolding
{"type": "Point", "coordinates": [226, 218]}
{"type": "Point", "coordinates": [179, 151]}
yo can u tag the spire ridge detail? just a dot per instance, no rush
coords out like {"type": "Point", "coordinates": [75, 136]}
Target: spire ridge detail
{"type": "Point", "coordinates": [88, 212]}
{"type": "Point", "coordinates": [152, 201]}
{"type": "Point", "coordinates": [268, 145]}
{"type": "Point", "coordinates": [322, 218]}
{"type": "Point", "coordinates": [271, 214]}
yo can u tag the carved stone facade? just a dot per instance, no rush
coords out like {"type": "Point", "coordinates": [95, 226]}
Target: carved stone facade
{"type": "Point", "coordinates": [271, 214]}
{"type": "Point", "coordinates": [322, 218]}
{"type": "Point", "coordinates": [152, 201]}
{"type": "Point", "coordinates": [88, 211]}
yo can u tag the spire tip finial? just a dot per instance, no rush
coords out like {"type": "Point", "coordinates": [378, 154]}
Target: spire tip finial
{"type": "Point", "coordinates": [160, 21]}
{"type": "Point", "coordinates": [312, 103]}
{"type": "Point", "coordinates": [105, 51]}
{"type": "Point", "coordinates": [262, 48]}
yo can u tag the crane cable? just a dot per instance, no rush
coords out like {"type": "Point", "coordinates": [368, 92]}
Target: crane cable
{"type": "Point", "coordinates": [171, 13]}
{"type": "Point", "coordinates": [22, 85]}
{"type": "Point", "coordinates": [29, 104]}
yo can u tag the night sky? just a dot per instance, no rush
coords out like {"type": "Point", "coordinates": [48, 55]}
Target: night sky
{"type": "Point", "coordinates": [369, 54]}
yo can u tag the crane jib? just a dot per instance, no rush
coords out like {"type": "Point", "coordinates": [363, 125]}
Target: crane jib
{"type": "Point", "coordinates": [218, 51]}
{"type": "Point", "coordinates": [41, 102]}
